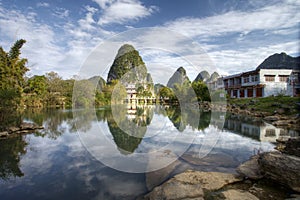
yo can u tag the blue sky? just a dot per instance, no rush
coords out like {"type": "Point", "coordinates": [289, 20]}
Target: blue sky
{"type": "Point", "coordinates": [236, 35]}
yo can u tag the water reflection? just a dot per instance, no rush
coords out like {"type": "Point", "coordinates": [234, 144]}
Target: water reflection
{"type": "Point", "coordinates": [256, 129]}
{"type": "Point", "coordinates": [11, 151]}
{"type": "Point", "coordinates": [55, 158]}
{"type": "Point", "coordinates": [128, 125]}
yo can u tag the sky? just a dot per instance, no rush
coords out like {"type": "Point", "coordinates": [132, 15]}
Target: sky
{"type": "Point", "coordinates": [234, 35]}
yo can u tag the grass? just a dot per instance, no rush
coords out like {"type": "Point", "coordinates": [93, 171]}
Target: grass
{"type": "Point", "coordinates": [287, 105]}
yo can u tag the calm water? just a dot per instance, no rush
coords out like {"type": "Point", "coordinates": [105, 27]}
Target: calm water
{"type": "Point", "coordinates": [65, 161]}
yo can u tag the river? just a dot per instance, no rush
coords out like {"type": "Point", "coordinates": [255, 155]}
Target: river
{"type": "Point", "coordinates": [123, 152]}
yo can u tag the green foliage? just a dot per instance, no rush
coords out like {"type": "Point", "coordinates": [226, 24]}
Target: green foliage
{"type": "Point", "coordinates": [142, 92]}
{"type": "Point", "coordinates": [12, 71]}
{"type": "Point", "coordinates": [201, 91]}
{"type": "Point", "coordinates": [166, 93]}
{"type": "Point", "coordinates": [37, 85]}
{"type": "Point", "coordinates": [269, 104]}
{"type": "Point", "coordinates": [54, 82]}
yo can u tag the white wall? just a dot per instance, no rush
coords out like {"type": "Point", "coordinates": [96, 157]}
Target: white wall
{"type": "Point", "coordinates": [276, 87]}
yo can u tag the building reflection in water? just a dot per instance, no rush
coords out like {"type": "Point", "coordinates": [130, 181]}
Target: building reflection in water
{"type": "Point", "coordinates": [258, 130]}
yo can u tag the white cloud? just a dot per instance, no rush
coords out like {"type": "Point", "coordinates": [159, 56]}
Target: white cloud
{"type": "Point", "coordinates": [121, 11]}
{"type": "Point", "coordinates": [88, 22]}
{"type": "Point", "coordinates": [43, 4]}
{"type": "Point", "coordinates": [235, 61]}
{"type": "Point", "coordinates": [278, 16]}
{"type": "Point", "coordinates": [61, 13]}
{"type": "Point", "coordinates": [40, 46]}
{"type": "Point", "coordinates": [240, 40]}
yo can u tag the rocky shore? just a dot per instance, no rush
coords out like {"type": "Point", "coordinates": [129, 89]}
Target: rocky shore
{"type": "Point", "coordinates": [23, 128]}
{"type": "Point", "coordinates": [278, 117]}
{"type": "Point", "coordinates": [269, 175]}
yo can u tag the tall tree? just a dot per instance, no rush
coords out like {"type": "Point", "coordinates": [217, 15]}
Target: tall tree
{"type": "Point", "coordinates": [12, 71]}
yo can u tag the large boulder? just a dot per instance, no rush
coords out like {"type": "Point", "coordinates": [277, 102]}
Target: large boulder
{"type": "Point", "coordinates": [251, 168]}
{"type": "Point", "coordinates": [282, 168]}
{"type": "Point", "coordinates": [208, 180]}
{"type": "Point", "coordinates": [191, 185]}
{"type": "Point", "coordinates": [176, 189]}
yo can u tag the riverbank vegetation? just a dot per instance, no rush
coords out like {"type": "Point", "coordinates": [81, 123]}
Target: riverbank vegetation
{"type": "Point", "coordinates": [283, 105]}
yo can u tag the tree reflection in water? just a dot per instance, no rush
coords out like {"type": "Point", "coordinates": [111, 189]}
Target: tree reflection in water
{"type": "Point", "coordinates": [11, 150]}
{"type": "Point", "coordinates": [127, 127]}
{"type": "Point", "coordinates": [181, 117]}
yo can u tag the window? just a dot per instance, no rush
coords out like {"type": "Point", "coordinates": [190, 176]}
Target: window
{"type": "Point", "coordinates": [283, 132]}
{"type": "Point", "coordinates": [270, 78]}
{"type": "Point", "coordinates": [283, 78]}
{"type": "Point", "coordinates": [246, 79]}
{"type": "Point", "coordinates": [254, 78]}
{"type": "Point", "coordinates": [270, 133]}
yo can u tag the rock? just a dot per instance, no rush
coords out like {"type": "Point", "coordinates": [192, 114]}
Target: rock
{"type": "Point", "coordinates": [271, 118]}
{"type": "Point", "coordinates": [4, 134]}
{"type": "Point", "coordinates": [29, 126]}
{"type": "Point", "coordinates": [281, 123]}
{"type": "Point", "coordinates": [191, 185]}
{"type": "Point", "coordinates": [13, 129]}
{"type": "Point", "coordinates": [175, 189]}
{"type": "Point", "coordinates": [235, 194]}
{"type": "Point", "coordinates": [281, 168]}
{"type": "Point", "coordinates": [280, 111]}
{"type": "Point", "coordinates": [209, 180]}
{"type": "Point", "coordinates": [292, 147]}
{"type": "Point", "coordinates": [251, 168]}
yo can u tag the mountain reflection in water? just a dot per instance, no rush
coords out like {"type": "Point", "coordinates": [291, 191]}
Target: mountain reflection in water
{"type": "Point", "coordinates": [56, 158]}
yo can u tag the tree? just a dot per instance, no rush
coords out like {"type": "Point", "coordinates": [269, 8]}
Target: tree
{"type": "Point", "coordinates": [142, 92]}
{"type": "Point", "coordinates": [37, 85]}
{"type": "Point", "coordinates": [54, 82]}
{"type": "Point", "coordinates": [12, 71]}
{"type": "Point", "coordinates": [201, 91]}
{"type": "Point", "coordinates": [166, 93]}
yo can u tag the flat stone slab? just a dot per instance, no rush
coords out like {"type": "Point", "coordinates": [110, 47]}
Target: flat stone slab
{"type": "Point", "coordinates": [234, 194]}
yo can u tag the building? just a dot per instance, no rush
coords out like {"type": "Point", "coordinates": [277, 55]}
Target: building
{"type": "Point", "coordinates": [217, 84]}
{"type": "Point", "coordinates": [263, 83]}
{"type": "Point", "coordinates": [131, 93]}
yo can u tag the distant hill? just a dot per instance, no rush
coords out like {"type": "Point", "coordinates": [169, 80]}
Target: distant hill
{"type": "Point", "coordinates": [214, 76]}
{"type": "Point", "coordinates": [280, 61]}
{"type": "Point", "coordinates": [99, 81]}
{"type": "Point", "coordinates": [128, 61]}
{"type": "Point", "coordinates": [203, 76]}
{"type": "Point", "coordinates": [157, 87]}
{"type": "Point", "coordinates": [179, 77]}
